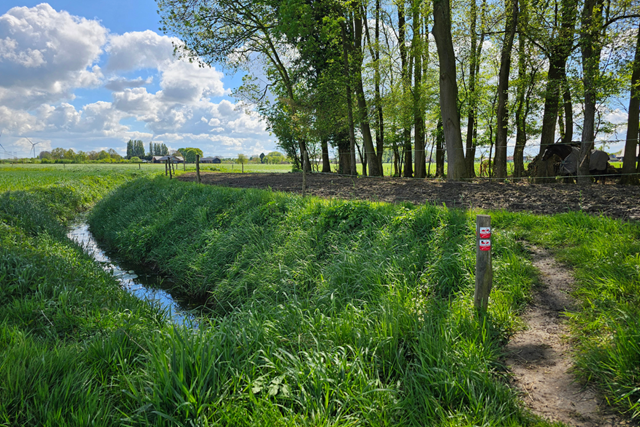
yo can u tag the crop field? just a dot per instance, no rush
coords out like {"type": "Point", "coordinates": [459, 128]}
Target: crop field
{"type": "Point", "coordinates": [102, 168]}
{"type": "Point", "coordinates": [313, 311]}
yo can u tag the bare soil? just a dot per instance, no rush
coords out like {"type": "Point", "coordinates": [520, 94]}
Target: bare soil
{"type": "Point", "coordinates": [540, 356]}
{"type": "Point", "coordinates": [610, 200]}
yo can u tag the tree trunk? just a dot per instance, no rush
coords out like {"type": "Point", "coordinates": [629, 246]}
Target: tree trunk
{"type": "Point", "coordinates": [557, 62]}
{"type": "Point", "coordinates": [440, 150]}
{"type": "Point", "coordinates": [326, 163]}
{"type": "Point", "coordinates": [500, 162]}
{"type": "Point", "coordinates": [365, 128]}
{"type": "Point", "coordinates": [418, 110]}
{"type": "Point", "coordinates": [406, 87]}
{"type": "Point", "coordinates": [475, 50]}
{"type": "Point", "coordinates": [344, 153]}
{"type": "Point", "coordinates": [352, 137]}
{"type": "Point", "coordinates": [568, 111]}
{"type": "Point", "coordinates": [304, 156]}
{"type": "Point", "coordinates": [376, 76]}
{"type": "Point", "coordinates": [448, 90]}
{"type": "Point", "coordinates": [591, 48]}
{"type": "Point", "coordinates": [521, 130]}
{"type": "Point", "coordinates": [630, 147]}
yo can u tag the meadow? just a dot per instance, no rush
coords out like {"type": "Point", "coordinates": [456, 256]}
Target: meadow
{"type": "Point", "coordinates": [317, 312]}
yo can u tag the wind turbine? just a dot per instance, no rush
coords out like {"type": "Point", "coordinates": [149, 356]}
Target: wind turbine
{"type": "Point", "coordinates": [6, 153]}
{"type": "Point", "coordinates": [3, 149]}
{"type": "Point", "coordinates": [33, 146]}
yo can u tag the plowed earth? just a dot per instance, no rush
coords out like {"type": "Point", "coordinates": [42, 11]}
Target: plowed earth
{"type": "Point", "coordinates": [611, 200]}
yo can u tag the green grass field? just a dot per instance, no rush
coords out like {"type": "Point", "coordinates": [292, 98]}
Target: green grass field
{"type": "Point", "coordinates": [320, 312]}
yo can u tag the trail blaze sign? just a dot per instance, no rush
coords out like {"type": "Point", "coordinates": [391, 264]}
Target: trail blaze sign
{"type": "Point", "coordinates": [485, 232]}
{"type": "Point", "coordinates": [485, 245]}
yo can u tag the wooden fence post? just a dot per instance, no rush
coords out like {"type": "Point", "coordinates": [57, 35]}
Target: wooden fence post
{"type": "Point", "coordinates": [170, 171]}
{"type": "Point", "coordinates": [198, 168]}
{"type": "Point", "coordinates": [484, 271]}
{"type": "Point", "coordinates": [304, 172]}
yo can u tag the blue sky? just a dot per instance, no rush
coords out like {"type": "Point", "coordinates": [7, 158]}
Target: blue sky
{"type": "Point", "coordinates": [92, 75]}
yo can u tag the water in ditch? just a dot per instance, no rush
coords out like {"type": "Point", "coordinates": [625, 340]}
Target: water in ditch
{"type": "Point", "coordinates": [143, 284]}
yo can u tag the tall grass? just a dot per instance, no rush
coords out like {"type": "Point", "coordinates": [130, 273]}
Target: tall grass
{"type": "Point", "coordinates": [60, 313]}
{"type": "Point", "coordinates": [324, 312]}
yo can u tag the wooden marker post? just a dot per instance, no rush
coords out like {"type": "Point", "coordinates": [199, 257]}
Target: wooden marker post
{"type": "Point", "coordinates": [170, 169]}
{"type": "Point", "coordinates": [198, 168]}
{"type": "Point", "coordinates": [484, 271]}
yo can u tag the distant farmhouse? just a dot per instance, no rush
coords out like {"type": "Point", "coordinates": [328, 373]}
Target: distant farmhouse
{"type": "Point", "coordinates": [162, 159]}
{"type": "Point", "coordinates": [210, 160]}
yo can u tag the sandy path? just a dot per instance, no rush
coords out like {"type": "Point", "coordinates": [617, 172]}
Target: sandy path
{"type": "Point", "coordinates": [540, 356]}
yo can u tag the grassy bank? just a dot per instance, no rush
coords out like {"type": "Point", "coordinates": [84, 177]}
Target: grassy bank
{"type": "Point", "coordinates": [324, 313]}
{"type": "Point", "coordinates": [67, 330]}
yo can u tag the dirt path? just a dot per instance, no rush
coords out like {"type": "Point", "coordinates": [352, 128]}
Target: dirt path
{"type": "Point", "coordinates": [540, 357]}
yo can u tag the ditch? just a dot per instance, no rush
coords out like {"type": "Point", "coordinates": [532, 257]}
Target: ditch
{"type": "Point", "coordinates": [143, 283]}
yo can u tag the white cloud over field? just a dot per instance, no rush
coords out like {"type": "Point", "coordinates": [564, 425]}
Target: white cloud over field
{"type": "Point", "coordinates": [67, 81]}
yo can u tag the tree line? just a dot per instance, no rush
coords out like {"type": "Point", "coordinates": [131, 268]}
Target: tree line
{"type": "Point", "coordinates": [440, 80]}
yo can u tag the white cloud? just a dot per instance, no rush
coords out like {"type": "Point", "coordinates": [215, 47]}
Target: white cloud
{"type": "Point", "coordinates": [186, 82]}
{"type": "Point", "coordinates": [247, 124]}
{"type": "Point", "coordinates": [138, 50]}
{"type": "Point", "coordinates": [119, 84]}
{"type": "Point", "coordinates": [45, 54]}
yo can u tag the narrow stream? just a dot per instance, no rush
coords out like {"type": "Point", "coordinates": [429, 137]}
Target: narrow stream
{"type": "Point", "coordinates": [144, 285]}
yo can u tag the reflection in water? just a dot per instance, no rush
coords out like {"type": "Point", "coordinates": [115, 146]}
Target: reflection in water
{"type": "Point", "coordinates": [144, 286]}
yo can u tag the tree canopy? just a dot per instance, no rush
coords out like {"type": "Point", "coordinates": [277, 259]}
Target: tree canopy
{"type": "Point", "coordinates": [378, 78]}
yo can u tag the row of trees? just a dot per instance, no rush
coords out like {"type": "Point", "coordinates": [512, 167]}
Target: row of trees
{"type": "Point", "coordinates": [423, 78]}
{"type": "Point", "coordinates": [69, 155]}
{"type": "Point", "coordinates": [189, 154]}
{"type": "Point", "coordinates": [135, 148]}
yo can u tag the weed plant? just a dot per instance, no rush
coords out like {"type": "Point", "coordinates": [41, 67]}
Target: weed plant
{"type": "Point", "coordinates": [322, 312]}
{"type": "Point", "coordinates": [605, 255]}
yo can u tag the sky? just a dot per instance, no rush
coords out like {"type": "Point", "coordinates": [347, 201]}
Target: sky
{"type": "Point", "coordinates": [90, 75]}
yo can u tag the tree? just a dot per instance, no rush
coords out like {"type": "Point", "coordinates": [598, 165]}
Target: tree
{"type": "Point", "coordinates": [500, 162]}
{"type": "Point", "coordinates": [448, 90]}
{"type": "Point", "coordinates": [591, 48]}
{"type": "Point", "coordinates": [631, 145]}
{"type": "Point", "coordinates": [274, 157]}
{"type": "Point", "coordinates": [113, 154]}
{"type": "Point", "coordinates": [189, 154]}
{"type": "Point", "coordinates": [558, 49]}
{"type": "Point", "coordinates": [242, 159]}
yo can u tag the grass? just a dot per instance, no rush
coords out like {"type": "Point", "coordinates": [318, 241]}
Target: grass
{"type": "Point", "coordinates": [62, 317]}
{"type": "Point", "coordinates": [322, 312]}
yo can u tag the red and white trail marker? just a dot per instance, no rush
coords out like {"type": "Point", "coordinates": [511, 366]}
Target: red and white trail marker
{"type": "Point", "coordinates": [485, 245]}
{"type": "Point", "coordinates": [485, 232]}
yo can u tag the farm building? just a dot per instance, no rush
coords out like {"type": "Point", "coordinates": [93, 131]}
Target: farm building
{"type": "Point", "coordinates": [210, 160]}
{"type": "Point", "coordinates": [162, 159]}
